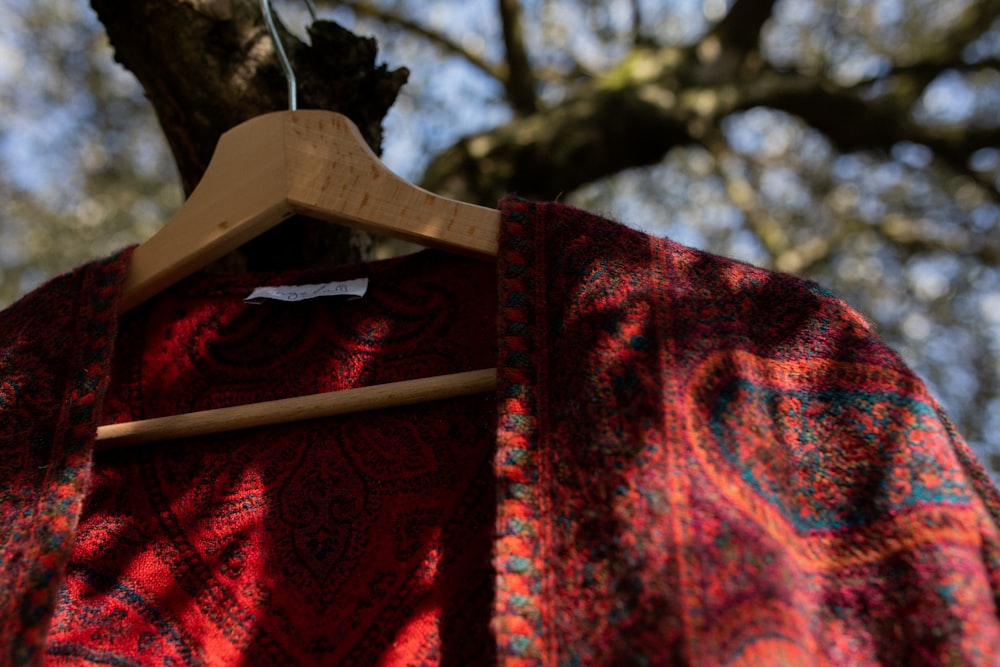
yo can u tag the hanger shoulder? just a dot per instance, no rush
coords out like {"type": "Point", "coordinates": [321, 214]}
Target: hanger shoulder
{"type": "Point", "coordinates": [242, 194]}
{"type": "Point", "coordinates": [309, 162]}
{"type": "Point", "coordinates": [342, 180]}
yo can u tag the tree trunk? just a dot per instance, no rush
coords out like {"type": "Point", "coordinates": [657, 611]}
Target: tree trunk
{"type": "Point", "coordinates": [208, 65]}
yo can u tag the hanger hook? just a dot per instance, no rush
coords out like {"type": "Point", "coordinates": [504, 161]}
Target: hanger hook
{"type": "Point", "coordinates": [286, 64]}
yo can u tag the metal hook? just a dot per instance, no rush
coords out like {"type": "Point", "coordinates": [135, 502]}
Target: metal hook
{"type": "Point", "coordinates": [286, 64]}
{"type": "Point", "coordinates": [312, 10]}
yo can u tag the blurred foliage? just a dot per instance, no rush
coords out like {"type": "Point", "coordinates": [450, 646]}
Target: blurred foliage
{"type": "Point", "coordinates": [83, 169]}
{"type": "Point", "coordinates": [907, 232]}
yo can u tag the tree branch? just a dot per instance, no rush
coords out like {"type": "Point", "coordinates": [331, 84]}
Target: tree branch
{"type": "Point", "coordinates": [630, 119]}
{"type": "Point", "coordinates": [637, 36]}
{"type": "Point", "coordinates": [977, 18]}
{"type": "Point", "coordinates": [852, 123]}
{"type": "Point", "coordinates": [520, 82]}
{"type": "Point", "coordinates": [439, 40]}
{"type": "Point", "coordinates": [557, 150]}
{"type": "Point", "coordinates": [738, 32]}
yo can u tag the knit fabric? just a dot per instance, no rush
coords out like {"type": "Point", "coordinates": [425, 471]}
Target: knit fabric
{"type": "Point", "coordinates": [317, 543]}
{"type": "Point", "coordinates": [695, 462]}
{"type": "Point", "coordinates": [704, 463]}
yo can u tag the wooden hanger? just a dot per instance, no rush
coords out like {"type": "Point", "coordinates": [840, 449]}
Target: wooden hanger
{"type": "Point", "coordinates": [263, 171]}
{"type": "Point", "coordinates": [314, 163]}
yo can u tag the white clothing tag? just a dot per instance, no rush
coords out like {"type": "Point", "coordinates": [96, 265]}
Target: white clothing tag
{"type": "Point", "coordinates": [354, 289]}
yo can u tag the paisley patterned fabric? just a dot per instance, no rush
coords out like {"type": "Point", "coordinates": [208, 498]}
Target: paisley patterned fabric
{"type": "Point", "coordinates": [326, 542]}
{"type": "Point", "coordinates": [688, 461]}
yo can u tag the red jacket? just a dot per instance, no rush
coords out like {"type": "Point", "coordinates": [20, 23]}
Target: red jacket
{"type": "Point", "coordinates": [688, 460]}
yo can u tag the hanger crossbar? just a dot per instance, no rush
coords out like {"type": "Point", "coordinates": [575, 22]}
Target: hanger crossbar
{"type": "Point", "coordinates": [297, 408]}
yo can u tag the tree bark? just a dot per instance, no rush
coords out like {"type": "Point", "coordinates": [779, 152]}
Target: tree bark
{"type": "Point", "coordinates": [208, 65]}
